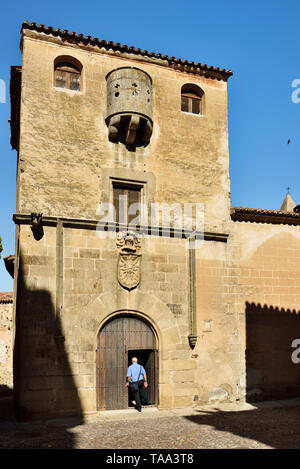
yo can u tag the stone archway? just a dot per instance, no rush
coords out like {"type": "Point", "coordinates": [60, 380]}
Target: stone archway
{"type": "Point", "coordinates": [120, 338]}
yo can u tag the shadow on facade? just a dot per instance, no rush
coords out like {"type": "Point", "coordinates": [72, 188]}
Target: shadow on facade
{"type": "Point", "coordinates": [270, 370]}
{"type": "Point", "coordinates": [270, 374]}
{"type": "Point", "coordinates": [5, 391]}
{"type": "Point", "coordinates": [6, 403]}
{"type": "Point", "coordinates": [44, 386]}
{"type": "Point", "coordinates": [277, 427]}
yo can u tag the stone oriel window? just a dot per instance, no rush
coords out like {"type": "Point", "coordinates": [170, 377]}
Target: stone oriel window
{"type": "Point", "coordinates": [127, 200]}
{"type": "Point", "coordinates": [67, 73]}
{"type": "Point", "coordinates": [192, 99]}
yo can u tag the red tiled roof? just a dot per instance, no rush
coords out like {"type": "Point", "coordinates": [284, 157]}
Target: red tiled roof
{"type": "Point", "coordinates": [264, 215]}
{"type": "Point", "coordinates": [6, 297]}
{"type": "Point", "coordinates": [208, 71]}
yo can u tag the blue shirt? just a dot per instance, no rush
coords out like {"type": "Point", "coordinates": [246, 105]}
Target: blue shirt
{"type": "Point", "coordinates": [136, 372]}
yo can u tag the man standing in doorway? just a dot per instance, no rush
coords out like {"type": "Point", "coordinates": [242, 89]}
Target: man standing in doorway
{"type": "Point", "coordinates": [137, 382]}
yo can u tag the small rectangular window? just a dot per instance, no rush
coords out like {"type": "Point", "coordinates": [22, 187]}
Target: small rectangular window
{"type": "Point", "coordinates": [127, 200]}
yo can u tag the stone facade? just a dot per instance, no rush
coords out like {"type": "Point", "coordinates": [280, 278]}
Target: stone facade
{"type": "Point", "coordinates": [204, 305]}
{"type": "Point", "coordinates": [6, 342]}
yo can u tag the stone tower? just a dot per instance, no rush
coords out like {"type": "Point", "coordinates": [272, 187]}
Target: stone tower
{"type": "Point", "coordinates": [99, 125]}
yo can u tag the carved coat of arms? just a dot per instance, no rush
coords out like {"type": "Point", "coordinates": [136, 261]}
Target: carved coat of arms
{"type": "Point", "coordinates": [129, 259]}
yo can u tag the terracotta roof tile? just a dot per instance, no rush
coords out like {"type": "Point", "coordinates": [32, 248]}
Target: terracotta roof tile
{"type": "Point", "coordinates": [266, 211]}
{"type": "Point", "coordinates": [264, 215]}
{"type": "Point", "coordinates": [6, 297]}
{"type": "Point", "coordinates": [209, 71]}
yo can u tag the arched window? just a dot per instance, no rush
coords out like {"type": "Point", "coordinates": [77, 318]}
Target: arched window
{"type": "Point", "coordinates": [67, 73]}
{"type": "Point", "coordinates": [192, 99]}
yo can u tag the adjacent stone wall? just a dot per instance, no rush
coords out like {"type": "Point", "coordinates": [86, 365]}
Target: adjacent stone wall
{"type": "Point", "coordinates": [220, 346]}
{"type": "Point", "coordinates": [248, 305]}
{"type": "Point", "coordinates": [265, 283]}
{"type": "Point", "coordinates": [6, 342]}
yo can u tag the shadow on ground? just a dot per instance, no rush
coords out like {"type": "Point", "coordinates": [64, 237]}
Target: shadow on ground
{"type": "Point", "coordinates": [262, 427]}
{"type": "Point", "coordinates": [50, 434]}
{"type": "Point", "coordinates": [44, 385]}
{"type": "Point", "coordinates": [276, 427]}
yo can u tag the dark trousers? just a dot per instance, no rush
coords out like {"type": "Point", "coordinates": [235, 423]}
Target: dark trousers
{"type": "Point", "coordinates": [140, 396]}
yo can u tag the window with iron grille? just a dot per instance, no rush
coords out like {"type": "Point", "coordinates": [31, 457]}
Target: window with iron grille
{"type": "Point", "coordinates": [67, 76]}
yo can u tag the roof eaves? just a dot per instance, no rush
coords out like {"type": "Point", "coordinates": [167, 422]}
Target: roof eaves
{"type": "Point", "coordinates": [209, 71]}
{"type": "Point", "coordinates": [6, 297]}
{"type": "Point", "coordinates": [261, 215]}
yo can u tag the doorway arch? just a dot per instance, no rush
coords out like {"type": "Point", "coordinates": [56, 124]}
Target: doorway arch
{"type": "Point", "coordinates": [121, 338]}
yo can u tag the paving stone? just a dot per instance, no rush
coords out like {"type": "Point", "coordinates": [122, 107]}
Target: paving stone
{"type": "Point", "coordinates": [263, 426]}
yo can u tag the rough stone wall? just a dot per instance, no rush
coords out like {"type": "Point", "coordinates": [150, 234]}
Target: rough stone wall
{"type": "Point", "coordinates": [6, 367]}
{"type": "Point", "coordinates": [248, 306]}
{"type": "Point", "coordinates": [266, 287]}
{"type": "Point", "coordinates": [247, 292]}
{"type": "Point", "coordinates": [64, 147]}
{"type": "Point", "coordinates": [220, 345]}
{"type": "Point", "coordinates": [92, 294]}
{"type": "Point", "coordinates": [92, 291]}
{"type": "Point", "coordinates": [68, 281]}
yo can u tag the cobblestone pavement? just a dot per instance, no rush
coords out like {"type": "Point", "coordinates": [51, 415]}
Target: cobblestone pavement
{"type": "Point", "coordinates": [227, 426]}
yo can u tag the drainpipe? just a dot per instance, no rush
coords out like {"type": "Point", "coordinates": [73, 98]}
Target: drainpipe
{"type": "Point", "coordinates": [192, 292]}
{"type": "Point", "coordinates": [58, 337]}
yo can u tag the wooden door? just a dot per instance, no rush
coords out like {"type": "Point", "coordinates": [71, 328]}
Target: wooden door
{"type": "Point", "coordinates": [116, 338]}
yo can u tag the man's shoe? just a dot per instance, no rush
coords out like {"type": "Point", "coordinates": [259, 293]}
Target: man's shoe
{"type": "Point", "coordinates": [139, 409]}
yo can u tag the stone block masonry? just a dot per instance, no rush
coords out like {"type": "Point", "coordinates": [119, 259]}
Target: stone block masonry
{"type": "Point", "coordinates": [6, 342]}
{"type": "Point", "coordinates": [221, 318]}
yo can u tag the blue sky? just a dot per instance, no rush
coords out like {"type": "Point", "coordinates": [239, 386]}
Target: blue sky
{"type": "Point", "coordinates": [258, 40]}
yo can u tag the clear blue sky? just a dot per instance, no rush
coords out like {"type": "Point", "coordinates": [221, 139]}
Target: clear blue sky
{"type": "Point", "coordinates": [258, 40]}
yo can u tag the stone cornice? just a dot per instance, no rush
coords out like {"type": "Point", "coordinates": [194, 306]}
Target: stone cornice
{"type": "Point", "coordinates": [26, 219]}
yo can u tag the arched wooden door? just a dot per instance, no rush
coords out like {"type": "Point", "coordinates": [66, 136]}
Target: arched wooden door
{"type": "Point", "coordinates": [118, 341]}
